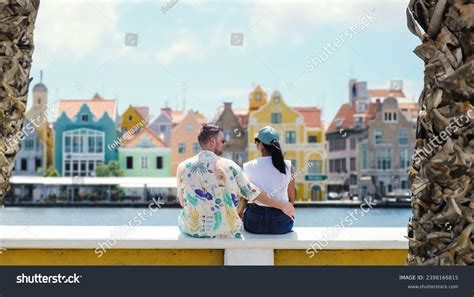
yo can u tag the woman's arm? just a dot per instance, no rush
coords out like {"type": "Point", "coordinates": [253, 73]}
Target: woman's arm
{"type": "Point", "coordinates": [291, 188]}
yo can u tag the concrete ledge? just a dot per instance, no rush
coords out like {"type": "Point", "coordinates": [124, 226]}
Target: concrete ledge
{"type": "Point", "coordinates": [79, 245]}
{"type": "Point", "coordinates": [169, 237]}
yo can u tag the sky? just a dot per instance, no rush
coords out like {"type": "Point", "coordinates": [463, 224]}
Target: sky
{"type": "Point", "coordinates": [179, 53]}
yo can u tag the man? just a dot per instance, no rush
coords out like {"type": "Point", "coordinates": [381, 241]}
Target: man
{"type": "Point", "coordinates": [209, 188]}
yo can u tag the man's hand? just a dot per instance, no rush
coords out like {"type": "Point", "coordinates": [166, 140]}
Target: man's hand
{"type": "Point", "coordinates": [286, 207]}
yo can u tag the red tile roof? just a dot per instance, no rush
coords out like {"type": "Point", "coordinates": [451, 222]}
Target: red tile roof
{"type": "Point", "coordinates": [97, 107]}
{"type": "Point", "coordinates": [311, 115]}
{"type": "Point", "coordinates": [346, 113]}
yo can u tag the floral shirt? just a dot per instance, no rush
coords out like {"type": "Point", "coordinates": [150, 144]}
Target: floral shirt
{"type": "Point", "coordinates": [210, 187]}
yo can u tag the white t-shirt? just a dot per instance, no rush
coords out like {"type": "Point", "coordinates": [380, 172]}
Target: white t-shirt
{"type": "Point", "coordinates": [264, 175]}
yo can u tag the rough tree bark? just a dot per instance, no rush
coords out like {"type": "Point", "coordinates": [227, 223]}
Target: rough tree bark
{"type": "Point", "coordinates": [441, 231]}
{"type": "Point", "coordinates": [17, 21]}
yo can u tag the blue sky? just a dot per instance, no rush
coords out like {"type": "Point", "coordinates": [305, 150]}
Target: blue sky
{"type": "Point", "coordinates": [185, 52]}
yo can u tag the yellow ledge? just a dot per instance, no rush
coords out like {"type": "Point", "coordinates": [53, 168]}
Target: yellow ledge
{"type": "Point", "coordinates": [121, 257]}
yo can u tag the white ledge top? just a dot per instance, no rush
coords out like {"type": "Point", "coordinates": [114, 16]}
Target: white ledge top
{"type": "Point", "coordinates": [169, 237]}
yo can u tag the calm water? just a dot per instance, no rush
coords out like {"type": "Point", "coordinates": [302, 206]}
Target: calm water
{"type": "Point", "coordinates": [305, 217]}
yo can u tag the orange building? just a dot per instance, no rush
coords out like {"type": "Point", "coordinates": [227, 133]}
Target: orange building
{"type": "Point", "coordinates": [184, 142]}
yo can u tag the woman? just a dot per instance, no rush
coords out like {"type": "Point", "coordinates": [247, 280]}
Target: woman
{"type": "Point", "coordinates": [271, 173]}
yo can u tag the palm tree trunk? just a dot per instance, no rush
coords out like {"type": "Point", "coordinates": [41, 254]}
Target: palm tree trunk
{"type": "Point", "coordinates": [17, 21]}
{"type": "Point", "coordinates": [441, 231]}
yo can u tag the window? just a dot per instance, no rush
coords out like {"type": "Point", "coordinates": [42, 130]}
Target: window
{"type": "Point", "coordinates": [389, 116]}
{"type": "Point", "coordinates": [189, 127]}
{"type": "Point", "coordinates": [162, 128]}
{"type": "Point", "coordinates": [337, 144]}
{"type": "Point", "coordinates": [378, 136]}
{"type": "Point", "coordinates": [130, 117]}
{"type": "Point", "coordinates": [359, 121]}
{"type": "Point", "coordinates": [182, 148]}
{"type": "Point", "coordinates": [38, 163]}
{"type": "Point", "coordinates": [257, 97]}
{"type": "Point", "coordinates": [402, 136]}
{"type": "Point", "coordinates": [404, 159]}
{"type": "Point", "coordinates": [353, 143]}
{"type": "Point", "coordinates": [314, 167]}
{"type": "Point", "coordinates": [312, 139]}
{"type": "Point", "coordinates": [361, 107]}
{"type": "Point", "coordinates": [337, 165]}
{"type": "Point", "coordinates": [24, 164]}
{"type": "Point", "coordinates": [227, 136]}
{"type": "Point", "coordinates": [29, 144]}
{"type": "Point", "coordinates": [338, 123]}
{"type": "Point", "coordinates": [384, 159]}
{"type": "Point", "coordinates": [353, 179]}
{"type": "Point", "coordinates": [159, 162]}
{"type": "Point", "coordinates": [353, 164]}
{"type": "Point", "coordinates": [290, 137]}
{"type": "Point", "coordinates": [276, 118]}
{"type": "Point", "coordinates": [129, 162]}
{"type": "Point", "coordinates": [196, 148]}
{"type": "Point", "coordinates": [85, 117]}
{"type": "Point", "coordinates": [144, 162]}
{"type": "Point", "coordinates": [365, 159]}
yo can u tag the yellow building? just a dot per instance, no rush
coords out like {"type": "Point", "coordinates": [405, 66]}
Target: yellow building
{"type": "Point", "coordinates": [257, 98]}
{"type": "Point", "coordinates": [133, 116]}
{"type": "Point", "coordinates": [302, 140]}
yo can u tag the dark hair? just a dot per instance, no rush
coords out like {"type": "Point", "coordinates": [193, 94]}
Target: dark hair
{"type": "Point", "coordinates": [277, 156]}
{"type": "Point", "coordinates": [207, 132]}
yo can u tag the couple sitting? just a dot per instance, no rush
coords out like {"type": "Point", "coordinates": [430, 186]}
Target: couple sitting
{"type": "Point", "coordinates": [213, 190]}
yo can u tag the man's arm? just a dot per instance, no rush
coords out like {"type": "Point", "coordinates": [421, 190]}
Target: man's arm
{"type": "Point", "coordinates": [284, 206]}
{"type": "Point", "coordinates": [180, 186]}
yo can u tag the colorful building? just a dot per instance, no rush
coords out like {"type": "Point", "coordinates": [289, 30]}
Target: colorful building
{"type": "Point", "coordinates": [84, 130]}
{"type": "Point", "coordinates": [302, 140]}
{"type": "Point", "coordinates": [385, 155]}
{"type": "Point", "coordinates": [234, 134]}
{"type": "Point", "coordinates": [145, 154]}
{"type": "Point", "coordinates": [133, 117]}
{"type": "Point", "coordinates": [37, 146]}
{"type": "Point", "coordinates": [184, 142]}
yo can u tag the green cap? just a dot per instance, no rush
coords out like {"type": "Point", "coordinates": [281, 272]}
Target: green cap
{"type": "Point", "coordinates": [268, 134]}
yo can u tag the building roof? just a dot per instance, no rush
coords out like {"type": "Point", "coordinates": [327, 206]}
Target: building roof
{"type": "Point", "coordinates": [143, 111]}
{"type": "Point", "coordinates": [97, 106]}
{"type": "Point", "coordinates": [242, 115]}
{"type": "Point", "coordinates": [346, 114]}
{"type": "Point", "coordinates": [178, 115]}
{"type": "Point", "coordinates": [137, 137]}
{"type": "Point", "coordinates": [311, 115]}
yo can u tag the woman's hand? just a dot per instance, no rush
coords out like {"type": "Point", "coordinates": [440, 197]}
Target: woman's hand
{"type": "Point", "coordinates": [288, 209]}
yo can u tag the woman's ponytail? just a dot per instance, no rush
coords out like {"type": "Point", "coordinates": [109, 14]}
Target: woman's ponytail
{"type": "Point", "coordinates": [277, 156]}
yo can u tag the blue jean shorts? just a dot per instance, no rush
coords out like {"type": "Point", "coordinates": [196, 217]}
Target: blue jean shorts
{"type": "Point", "coordinates": [266, 220]}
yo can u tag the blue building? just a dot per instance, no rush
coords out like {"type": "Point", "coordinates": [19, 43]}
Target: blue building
{"type": "Point", "coordinates": [84, 131]}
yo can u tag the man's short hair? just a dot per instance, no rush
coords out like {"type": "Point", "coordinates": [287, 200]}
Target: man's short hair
{"type": "Point", "coordinates": [207, 132]}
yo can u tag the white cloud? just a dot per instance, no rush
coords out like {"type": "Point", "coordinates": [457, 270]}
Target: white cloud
{"type": "Point", "coordinates": [75, 29]}
{"type": "Point", "coordinates": [288, 20]}
{"type": "Point", "coordinates": [184, 48]}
